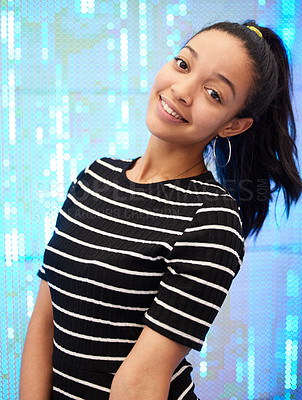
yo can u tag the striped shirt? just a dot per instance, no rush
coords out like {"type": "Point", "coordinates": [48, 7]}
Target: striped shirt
{"type": "Point", "coordinates": [124, 255]}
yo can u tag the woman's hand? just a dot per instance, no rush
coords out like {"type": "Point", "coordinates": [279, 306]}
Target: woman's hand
{"type": "Point", "coordinates": [146, 372]}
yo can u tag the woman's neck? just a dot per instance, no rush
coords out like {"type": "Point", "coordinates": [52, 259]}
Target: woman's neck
{"type": "Point", "coordinates": [164, 161]}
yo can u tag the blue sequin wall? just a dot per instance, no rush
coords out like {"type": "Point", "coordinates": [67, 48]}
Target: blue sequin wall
{"type": "Point", "coordinates": [75, 77]}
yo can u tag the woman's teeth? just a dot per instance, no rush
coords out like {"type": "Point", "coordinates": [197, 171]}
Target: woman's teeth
{"type": "Point", "coordinates": [170, 111]}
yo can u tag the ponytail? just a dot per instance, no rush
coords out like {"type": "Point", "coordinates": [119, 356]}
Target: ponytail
{"type": "Point", "coordinates": [263, 157]}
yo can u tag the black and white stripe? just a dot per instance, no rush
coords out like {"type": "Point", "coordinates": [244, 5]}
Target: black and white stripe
{"type": "Point", "coordinates": [124, 255]}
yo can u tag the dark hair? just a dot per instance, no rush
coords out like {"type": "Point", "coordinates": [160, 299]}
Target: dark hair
{"type": "Point", "coordinates": [263, 157]}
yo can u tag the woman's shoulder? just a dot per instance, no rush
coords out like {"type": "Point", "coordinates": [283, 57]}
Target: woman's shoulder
{"type": "Point", "coordinates": [101, 166]}
{"type": "Point", "coordinates": [219, 207]}
{"type": "Point", "coordinates": [212, 192]}
{"type": "Point", "coordinates": [109, 163]}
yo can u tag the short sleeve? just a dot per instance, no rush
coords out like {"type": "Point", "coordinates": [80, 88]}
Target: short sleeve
{"type": "Point", "coordinates": [199, 273]}
{"type": "Point", "coordinates": [42, 273]}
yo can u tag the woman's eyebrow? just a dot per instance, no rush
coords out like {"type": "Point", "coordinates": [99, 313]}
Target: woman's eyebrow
{"type": "Point", "coordinates": [193, 52]}
{"type": "Point", "coordinates": [227, 81]}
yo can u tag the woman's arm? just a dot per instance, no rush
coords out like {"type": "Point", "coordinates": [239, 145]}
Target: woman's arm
{"type": "Point", "coordinates": [36, 366]}
{"type": "Point", "coordinates": [146, 372]}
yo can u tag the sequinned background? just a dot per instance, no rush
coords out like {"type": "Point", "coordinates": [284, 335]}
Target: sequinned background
{"type": "Point", "coordinates": [75, 77]}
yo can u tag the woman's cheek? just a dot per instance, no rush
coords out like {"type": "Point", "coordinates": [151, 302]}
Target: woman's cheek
{"type": "Point", "coordinates": [164, 78]}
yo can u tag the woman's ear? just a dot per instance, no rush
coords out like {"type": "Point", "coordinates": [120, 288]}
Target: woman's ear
{"type": "Point", "coordinates": [236, 126]}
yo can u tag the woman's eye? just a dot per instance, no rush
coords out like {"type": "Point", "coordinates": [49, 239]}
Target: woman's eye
{"type": "Point", "coordinates": [181, 63]}
{"type": "Point", "coordinates": [214, 95]}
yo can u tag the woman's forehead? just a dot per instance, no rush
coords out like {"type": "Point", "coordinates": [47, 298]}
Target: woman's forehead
{"type": "Point", "coordinates": [220, 39]}
{"type": "Point", "coordinates": [218, 49]}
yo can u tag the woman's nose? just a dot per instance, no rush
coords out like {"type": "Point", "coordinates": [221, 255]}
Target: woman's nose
{"type": "Point", "coordinates": [183, 91]}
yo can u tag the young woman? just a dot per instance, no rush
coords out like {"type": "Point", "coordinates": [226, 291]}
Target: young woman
{"type": "Point", "coordinates": [144, 251]}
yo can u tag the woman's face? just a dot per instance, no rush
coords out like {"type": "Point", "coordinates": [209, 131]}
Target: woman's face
{"type": "Point", "coordinates": [197, 95]}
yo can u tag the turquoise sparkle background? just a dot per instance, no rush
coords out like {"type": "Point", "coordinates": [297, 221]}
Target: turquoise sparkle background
{"type": "Point", "coordinates": [75, 77]}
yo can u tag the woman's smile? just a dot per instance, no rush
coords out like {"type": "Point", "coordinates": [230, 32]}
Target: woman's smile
{"type": "Point", "coordinates": [168, 111]}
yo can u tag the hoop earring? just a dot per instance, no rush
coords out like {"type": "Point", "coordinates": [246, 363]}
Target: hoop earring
{"type": "Point", "coordinates": [230, 152]}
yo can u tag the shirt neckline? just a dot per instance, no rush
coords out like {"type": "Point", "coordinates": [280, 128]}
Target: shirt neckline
{"type": "Point", "coordinates": [205, 176]}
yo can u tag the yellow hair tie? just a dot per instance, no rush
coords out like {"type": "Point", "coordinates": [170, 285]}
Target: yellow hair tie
{"type": "Point", "coordinates": [256, 30]}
